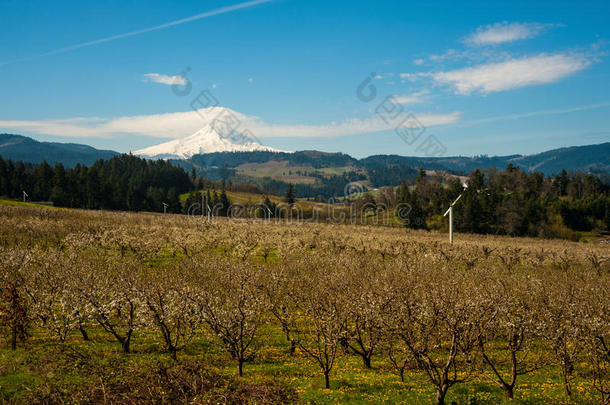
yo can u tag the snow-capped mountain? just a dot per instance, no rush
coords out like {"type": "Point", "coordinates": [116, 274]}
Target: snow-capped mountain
{"type": "Point", "coordinates": [213, 137]}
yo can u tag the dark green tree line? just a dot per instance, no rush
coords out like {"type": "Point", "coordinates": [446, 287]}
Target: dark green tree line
{"type": "Point", "coordinates": [512, 202]}
{"type": "Point", "coordinates": [122, 183]}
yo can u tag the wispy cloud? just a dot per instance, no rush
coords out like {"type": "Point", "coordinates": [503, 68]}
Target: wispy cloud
{"type": "Point", "coordinates": [505, 32]}
{"type": "Point", "coordinates": [413, 98]}
{"type": "Point", "coordinates": [474, 55]}
{"type": "Point", "coordinates": [180, 124]}
{"type": "Point", "coordinates": [195, 17]}
{"type": "Point", "coordinates": [511, 74]}
{"type": "Point", "coordinates": [164, 79]}
{"type": "Point", "coordinates": [556, 111]}
{"type": "Point", "coordinates": [345, 128]}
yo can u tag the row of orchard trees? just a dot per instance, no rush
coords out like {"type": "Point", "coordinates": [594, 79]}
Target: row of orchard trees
{"type": "Point", "coordinates": [486, 313]}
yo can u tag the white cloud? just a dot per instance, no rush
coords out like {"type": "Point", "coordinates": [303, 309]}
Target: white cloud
{"type": "Point", "coordinates": [250, 80]}
{"type": "Point", "coordinates": [412, 76]}
{"type": "Point", "coordinates": [505, 32]}
{"type": "Point", "coordinates": [348, 127]}
{"type": "Point", "coordinates": [448, 54]}
{"type": "Point", "coordinates": [470, 54]}
{"type": "Point", "coordinates": [180, 124]}
{"type": "Point", "coordinates": [418, 62]}
{"type": "Point", "coordinates": [413, 98]}
{"type": "Point", "coordinates": [511, 74]}
{"type": "Point", "coordinates": [164, 79]}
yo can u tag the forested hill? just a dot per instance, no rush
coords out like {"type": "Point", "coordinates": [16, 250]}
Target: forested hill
{"type": "Point", "coordinates": [509, 201]}
{"type": "Point", "coordinates": [123, 182]}
{"type": "Point", "coordinates": [22, 148]}
{"type": "Point", "coordinates": [312, 158]}
{"type": "Point", "coordinates": [593, 159]}
{"type": "Point", "coordinates": [589, 159]}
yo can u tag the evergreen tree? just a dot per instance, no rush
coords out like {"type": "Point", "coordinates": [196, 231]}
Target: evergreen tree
{"type": "Point", "coordinates": [208, 202]}
{"type": "Point", "coordinates": [225, 204]}
{"type": "Point", "coordinates": [173, 200]}
{"type": "Point", "coordinates": [413, 217]}
{"type": "Point", "coordinates": [19, 181]}
{"type": "Point", "coordinates": [188, 203]}
{"type": "Point", "coordinates": [268, 210]}
{"type": "Point", "coordinates": [215, 199]}
{"type": "Point", "coordinates": [416, 218]}
{"type": "Point", "coordinates": [42, 182]}
{"type": "Point", "coordinates": [421, 177]}
{"type": "Point", "coordinates": [289, 198]}
{"type": "Point", "coordinates": [60, 186]}
{"type": "Point", "coordinates": [4, 176]}
{"type": "Point", "coordinates": [504, 202]}
{"type": "Point", "coordinates": [562, 182]}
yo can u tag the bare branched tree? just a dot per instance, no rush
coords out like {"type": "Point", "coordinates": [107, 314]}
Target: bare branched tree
{"type": "Point", "coordinates": [170, 306]}
{"type": "Point", "coordinates": [505, 338]}
{"type": "Point", "coordinates": [319, 299]}
{"type": "Point", "coordinates": [15, 307]}
{"type": "Point", "coordinates": [230, 303]}
{"type": "Point", "coordinates": [108, 288]}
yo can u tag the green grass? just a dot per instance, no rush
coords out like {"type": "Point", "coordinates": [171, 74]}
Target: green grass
{"type": "Point", "coordinates": [284, 172]}
{"type": "Point", "coordinates": [14, 203]}
{"type": "Point", "coordinates": [28, 367]}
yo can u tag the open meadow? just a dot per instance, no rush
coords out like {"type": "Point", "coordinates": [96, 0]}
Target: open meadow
{"type": "Point", "coordinates": [112, 307]}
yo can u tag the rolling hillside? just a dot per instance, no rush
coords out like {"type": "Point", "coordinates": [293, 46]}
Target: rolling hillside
{"type": "Point", "coordinates": [306, 167]}
{"type": "Point", "coordinates": [22, 148]}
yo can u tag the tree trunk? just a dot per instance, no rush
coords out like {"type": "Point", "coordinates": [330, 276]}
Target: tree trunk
{"type": "Point", "coordinates": [509, 391]}
{"type": "Point", "coordinates": [367, 361]}
{"type": "Point", "coordinates": [84, 333]}
{"type": "Point", "coordinates": [240, 368]}
{"type": "Point", "coordinates": [440, 395]}
{"type": "Point", "coordinates": [293, 346]}
{"type": "Point", "coordinates": [326, 379]}
{"type": "Point", "coordinates": [402, 374]}
{"type": "Point", "coordinates": [125, 345]}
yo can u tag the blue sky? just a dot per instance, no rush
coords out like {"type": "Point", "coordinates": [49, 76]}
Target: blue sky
{"type": "Point", "coordinates": [482, 78]}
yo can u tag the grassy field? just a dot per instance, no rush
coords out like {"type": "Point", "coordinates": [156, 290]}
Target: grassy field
{"type": "Point", "coordinates": [284, 172]}
{"type": "Point", "coordinates": [73, 245]}
{"type": "Point", "coordinates": [41, 364]}
{"type": "Point", "coordinates": [14, 203]}
{"type": "Point", "coordinates": [250, 199]}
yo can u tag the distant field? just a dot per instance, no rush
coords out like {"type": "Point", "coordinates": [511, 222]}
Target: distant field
{"type": "Point", "coordinates": [171, 306]}
{"type": "Point", "coordinates": [276, 170]}
{"type": "Point", "coordinates": [284, 172]}
{"type": "Point", "coordinates": [243, 197]}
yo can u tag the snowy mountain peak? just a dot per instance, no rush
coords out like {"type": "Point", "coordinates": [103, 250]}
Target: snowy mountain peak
{"type": "Point", "coordinates": [217, 135]}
